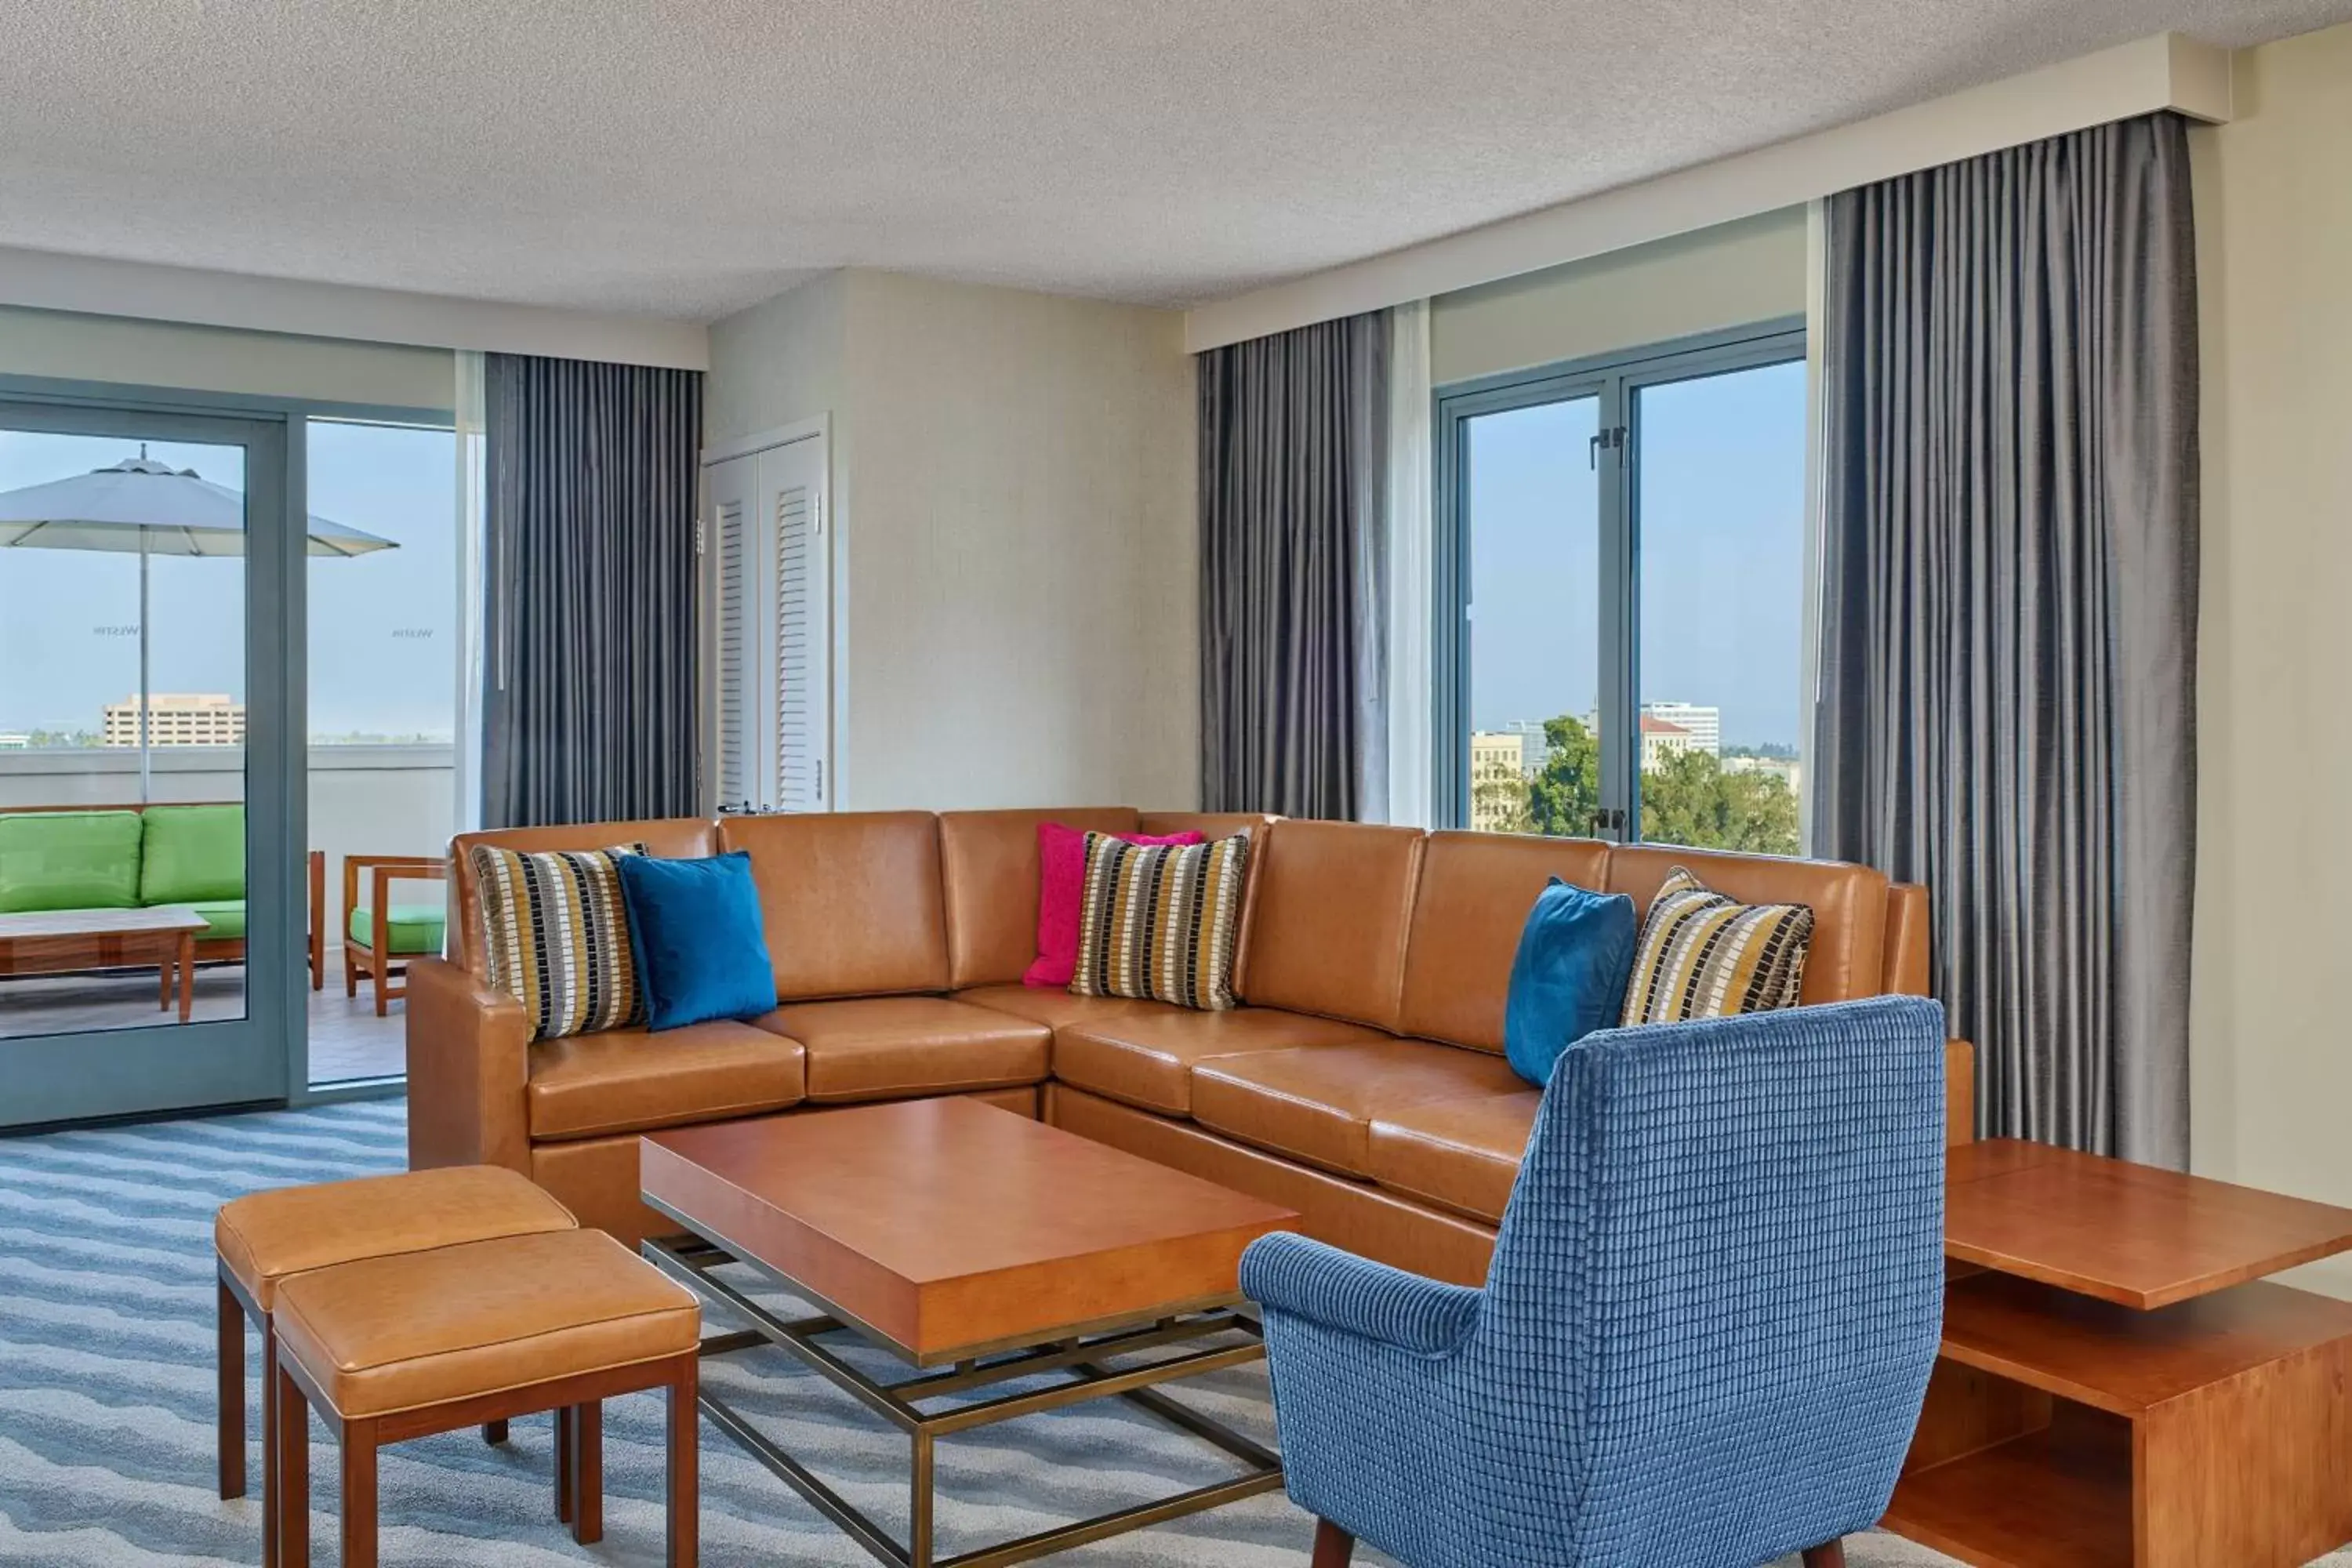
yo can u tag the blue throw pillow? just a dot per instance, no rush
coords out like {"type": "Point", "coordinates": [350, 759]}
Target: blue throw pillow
{"type": "Point", "coordinates": [1576, 953]}
{"type": "Point", "coordinates": [694, 930]}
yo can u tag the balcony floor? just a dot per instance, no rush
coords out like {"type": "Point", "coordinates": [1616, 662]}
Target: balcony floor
{"type": "Point", "coordinates": [347, 1039]}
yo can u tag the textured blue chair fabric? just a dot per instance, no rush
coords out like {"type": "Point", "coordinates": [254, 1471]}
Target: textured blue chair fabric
{"type": "Point", "coordinates": [1706, 1331]}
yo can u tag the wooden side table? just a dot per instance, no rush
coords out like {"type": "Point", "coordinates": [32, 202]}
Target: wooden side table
{"type": "Point", "coordinates": [2119, 1385]}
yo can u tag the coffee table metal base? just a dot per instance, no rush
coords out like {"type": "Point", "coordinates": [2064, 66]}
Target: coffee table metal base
{"type": "Point", "coordinates": [690, 1260]}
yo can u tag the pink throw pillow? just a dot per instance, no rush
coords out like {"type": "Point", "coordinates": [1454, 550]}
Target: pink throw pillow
{"type": "Point", "coordinates": [1062, 896]}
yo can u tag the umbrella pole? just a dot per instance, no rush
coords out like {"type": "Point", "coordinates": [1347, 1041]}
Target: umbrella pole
{"type": "Point", "coordinates": [146, 699]}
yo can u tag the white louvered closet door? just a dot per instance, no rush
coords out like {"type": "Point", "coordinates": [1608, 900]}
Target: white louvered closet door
{"type": "Point", "coordinates": [774, 596]}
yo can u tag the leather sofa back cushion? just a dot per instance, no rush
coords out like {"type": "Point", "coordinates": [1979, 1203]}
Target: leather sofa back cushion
{"type": "Point", "coordinates": [1327, 932]}
{"type": "Point", "coordinates": [1905, 973]}
{"type": "Point", "coordinates": [1849, 904]}
{"type": "Point", "coordinates": [853, 900]}
{"type": "Point", "coordinates": [988, 865]}
{"type": "Point", "coordinates": [1471, 904]}
{"type": "Point", "coordinates": [676, 838]}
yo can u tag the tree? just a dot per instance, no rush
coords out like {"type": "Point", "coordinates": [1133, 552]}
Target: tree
{"type": "Point", "coordinates": [1690, 798]}
{"type": "Point", "coordinates": [1564, 798]}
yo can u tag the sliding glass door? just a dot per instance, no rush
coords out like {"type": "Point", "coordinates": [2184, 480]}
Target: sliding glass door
{"type": "Point", "coordinates": [1620, 596]}
{"type": "Point", "coordinates": [148, 917]}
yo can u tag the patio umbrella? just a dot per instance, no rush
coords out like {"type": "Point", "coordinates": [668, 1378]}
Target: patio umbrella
{"type": "Point", "coordinates": [155, 510]}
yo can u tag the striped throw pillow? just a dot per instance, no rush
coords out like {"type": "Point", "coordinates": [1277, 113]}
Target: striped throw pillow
{"type": "Point", "coordinates": [555, 934]}
{"type": "Point", "coordinates": [1702, 955]}
{"type": "Point", "coordinates": [1159, 920]}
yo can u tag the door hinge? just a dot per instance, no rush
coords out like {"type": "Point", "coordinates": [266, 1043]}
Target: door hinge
{"type": "Point", "coordinates": [816, 512]}
{"type": "Point", "coordinates": [1612, 439]}
{"type": "Point", "coordinates": [820, 778]}
{"type": "Point", "coordinates": [698, 536]}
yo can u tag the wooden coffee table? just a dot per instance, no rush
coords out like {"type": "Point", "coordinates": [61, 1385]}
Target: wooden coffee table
{"type": "Point", "coordinates": [56, 941]}
{"type": "Point", "coordinates": [979, 1246]}
{"type": "Point", "coordinates": [2118, 1384]}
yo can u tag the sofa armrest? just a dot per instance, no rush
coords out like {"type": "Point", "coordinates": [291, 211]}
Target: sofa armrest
{"type": "Point", "coordinates": [1291, 1275]}
{"type": "Point", "coordinates": [468, 1065]}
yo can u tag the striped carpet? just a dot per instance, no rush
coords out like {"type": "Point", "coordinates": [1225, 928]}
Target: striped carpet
{"type": "Point", "coordinates": [106, 1405]}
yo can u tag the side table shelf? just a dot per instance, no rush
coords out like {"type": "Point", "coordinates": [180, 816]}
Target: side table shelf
{"type": "Point", "coordinates": [2068, 1424]}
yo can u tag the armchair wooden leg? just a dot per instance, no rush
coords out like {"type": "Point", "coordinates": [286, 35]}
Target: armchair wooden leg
{"type": "Point", "coordinates": [1334, 1546]}
{"type": "Point", "coordinates": [1827, 1554]}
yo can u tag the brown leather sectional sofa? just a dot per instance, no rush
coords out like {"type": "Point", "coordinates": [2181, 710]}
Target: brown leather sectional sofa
{"type": "Point", "coordinates": [1363, 1083]}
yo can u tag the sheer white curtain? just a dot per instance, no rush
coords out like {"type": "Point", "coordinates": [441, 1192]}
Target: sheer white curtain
{"type": "Point", "coordinates": [1412, 610]}
{"type": "Point", "coordinates": [468, 479]}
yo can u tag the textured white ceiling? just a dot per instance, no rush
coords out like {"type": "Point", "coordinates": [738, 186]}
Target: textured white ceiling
{"type": "Point", "coordinates": [686, 157]}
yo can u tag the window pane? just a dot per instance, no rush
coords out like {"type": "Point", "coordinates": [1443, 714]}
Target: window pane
{"type": "Point", "coordinates": [1534, 638]}
{"type": "Point", "coordinates": [383, 698]}
{"type": "Point", "coordinates": [1720, 497]}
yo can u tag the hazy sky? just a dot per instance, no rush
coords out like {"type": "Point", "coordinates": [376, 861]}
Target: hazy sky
{"type": "Point", "coordinates": [1721, 511]}
{"type": "Point", "coordinates": [1721, 506]}
{"type": "Point", "coordinates": [382, 625]}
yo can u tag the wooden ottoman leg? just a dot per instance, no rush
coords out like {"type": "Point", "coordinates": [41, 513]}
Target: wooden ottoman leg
{"type": "Point", "coordinates": [588, 1472]}
{"type": "Point", "coordinates": [272, 1419]}
{"type": "Point", "coordinates": [232, 1391]}
{"type": "Point", "coordinates": [1333, 1545]}
{"type": "Point", "coordinates": [684, 1415]}
{"type": "Point", "coordinates": [358, 1445]}
{"type": "Point", "coordinates": [1829, 1554]}
{"type": "Point", "coordinates": [564, 1438]}
{"type": "Point", "coordinates": [291, 1469]}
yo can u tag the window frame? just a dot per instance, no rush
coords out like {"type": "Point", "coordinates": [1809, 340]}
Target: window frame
{"type": "Point", "coordinates": [1613, 378]}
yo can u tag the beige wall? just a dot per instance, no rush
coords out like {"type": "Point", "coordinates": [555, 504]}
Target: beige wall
{"type": "Point", "coordinates": [778, 362]}
{"type": "Point", "coordinates": [220, 359]}
{"type": "Point", "coordinates": [2271, 1063]}
{"type": "Point", "coordinates": [1015, 568]}
{"type": "Point", "coordinates": [1728, 276]}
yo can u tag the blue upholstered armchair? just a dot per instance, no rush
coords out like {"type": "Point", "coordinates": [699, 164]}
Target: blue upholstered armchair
{"type": "Point", "coordinates": [1705, 1334]}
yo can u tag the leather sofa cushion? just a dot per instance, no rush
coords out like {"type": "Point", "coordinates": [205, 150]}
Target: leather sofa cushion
{"type": "Point", "coordinates": [988, 866]}
{"type": "Point", "coordinates": [1147, 1058]}
{"type": "Point", "coordinates": [626, 1080]}
{"type": "Point", "coordinates": [851, 899]}
{"type": "Point", "coordinates": [1905, 973]}
{"type": "Point", "coordinates": [386, 1334]}
{"type": "Point", "coordinates": [1207, 824]}
{"type": "Point", "coordinates": [1460, 1154]}
{"type": "Point", "coordinates": [1055, 1008]}
{"type": "Point", "coordinates": [1849, 903]}
{"type": "Point", "coordinates": [887, 1048]}
{"type": "Point", "coordinates": [1327, 928]}
{"type": "Point", "coordinates": [1319, 1105]}
{"type": "Point", "coordinates": [1469, 905]}
{"type": "Point", "coordinates": [264, 1237]}
{"type": "Point", "coordinates": [673, 837]}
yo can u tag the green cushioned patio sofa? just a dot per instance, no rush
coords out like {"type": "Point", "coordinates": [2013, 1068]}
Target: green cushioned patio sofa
{"type": "Point", "coordinates": [129, 858]}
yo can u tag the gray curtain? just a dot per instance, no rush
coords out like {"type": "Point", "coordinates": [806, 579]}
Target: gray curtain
{"type": "Point", "coordinates": [2008, 704]}
{"type": "Point", "coordinates": [589, 639]}
{"type": "Point", "coordinates": [1294, 576]}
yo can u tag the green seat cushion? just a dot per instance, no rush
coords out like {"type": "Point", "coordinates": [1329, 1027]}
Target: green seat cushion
{"type": "Point", "coordinates": [68, 860]}
{"type": "Point", "coordinates": [223, 919]}
{"type": "Point", "coordinates": [192, 854]}
{"type": "Point", "coordinates": [415, 928]}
